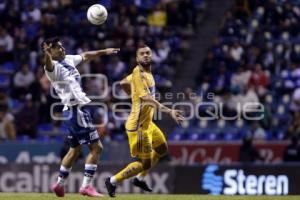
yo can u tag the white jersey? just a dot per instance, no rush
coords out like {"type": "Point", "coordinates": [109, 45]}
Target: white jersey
{"type": "Point", "coordinates": [65, 79]}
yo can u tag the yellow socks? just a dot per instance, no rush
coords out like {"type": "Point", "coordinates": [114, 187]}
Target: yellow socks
{"type": "Point", "coordinates": [131, 170]}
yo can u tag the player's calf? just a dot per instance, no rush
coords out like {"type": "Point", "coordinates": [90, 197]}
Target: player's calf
{"type": "Point", "coordinates": [90, 170]}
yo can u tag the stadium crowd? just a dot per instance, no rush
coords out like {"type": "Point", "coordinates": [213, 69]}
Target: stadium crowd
{"type": "Point", "coordinates": [255, 58]}
{"type": "Point", "coordinates": [25, 97]}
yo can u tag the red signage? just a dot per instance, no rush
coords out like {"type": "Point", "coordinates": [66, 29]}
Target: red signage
{"type": "Point", "coordinates": [189, 153]}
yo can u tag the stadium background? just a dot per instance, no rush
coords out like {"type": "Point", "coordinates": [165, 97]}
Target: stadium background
{"type": "Point", "coordinates": [240, 51]}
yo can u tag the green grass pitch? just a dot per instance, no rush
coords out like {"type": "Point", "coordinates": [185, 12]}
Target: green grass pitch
{"type": "Point", "coordinates": [48, 196]}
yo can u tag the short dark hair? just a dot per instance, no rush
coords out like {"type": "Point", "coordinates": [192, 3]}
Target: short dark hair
{"type": "Point", "coordinates": [141, 46]}
{"type": "Point", "coordinates": [52, 40]}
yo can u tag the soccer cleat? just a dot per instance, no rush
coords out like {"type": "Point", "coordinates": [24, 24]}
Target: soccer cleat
{"type": "Point", "coordinates": [141, 184]}
{"type": "Point", "coordinates": [90, 191]}
{"type": "Point", "coordinates": [111, 189]}
{"type": "Point", "coordinates": [58, 190]}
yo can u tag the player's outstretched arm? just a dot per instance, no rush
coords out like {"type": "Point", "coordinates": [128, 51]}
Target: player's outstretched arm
{"type": "Point", "coordinates": [48, 57]}
{"type": "Point", "coordinates": [177, 115]}
{"type": "Point", "coordinates": [90, 55]}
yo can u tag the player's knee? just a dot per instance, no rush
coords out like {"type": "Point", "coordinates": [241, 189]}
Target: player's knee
{"type": "Point", "coordinates": [162, 149]}
{"type": "Point", "coordinates": [146, 164]}
{"type": "Point", "coordinates": [96, 148]}
{"type": "Point", "coordinates": [73, 152]}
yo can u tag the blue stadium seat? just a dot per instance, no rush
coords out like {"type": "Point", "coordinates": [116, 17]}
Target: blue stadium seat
{"type": "Point", "coordinates": [42, 128]}
{"type": "Point", "coordinates": [4, 80]}
{"type": "Point", "coordinates": [43, 138]}
{"type": "Point", "coordinates": [15, 105]}
{"type": "Point", "coordinates": [23, 138]}
{"type": "Point", "coordinates": [9, 67]}
{"type": "Point", "coordinates": [176, 137]}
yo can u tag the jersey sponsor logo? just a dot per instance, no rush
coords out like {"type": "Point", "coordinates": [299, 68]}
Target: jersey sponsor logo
{"type": "Point", "coordinates": [212, 182]}
{"type": "Point", "coordinates": [94, 135]}
{"type": "Point", "coordinates": [238, 182]}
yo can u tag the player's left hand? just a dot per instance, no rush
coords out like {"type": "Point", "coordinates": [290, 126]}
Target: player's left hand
{"type": "Point", "coordinates": [177, 115]}
{"type": "Point", "coordinates": [111, 51]}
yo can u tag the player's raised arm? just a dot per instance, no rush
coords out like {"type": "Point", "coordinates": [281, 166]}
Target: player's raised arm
{"type": "Point", "coordinates": [90, 55]}
{"type": "Point", "coordinates": [48, 57]}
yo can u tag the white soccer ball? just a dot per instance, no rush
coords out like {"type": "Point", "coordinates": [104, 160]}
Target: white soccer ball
{"type": "Point", "coordinates": [97, 14]}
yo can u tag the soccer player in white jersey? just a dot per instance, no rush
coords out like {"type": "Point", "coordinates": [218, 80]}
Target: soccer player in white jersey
{"type": "Point", "coordinates": [65, 78]}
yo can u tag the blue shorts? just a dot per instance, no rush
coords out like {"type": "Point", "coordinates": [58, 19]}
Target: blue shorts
{"type": "Point", "coordinates": [79, 126]}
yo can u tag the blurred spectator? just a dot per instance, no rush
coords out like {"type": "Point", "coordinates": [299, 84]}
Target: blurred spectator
{"type": "Point", "coordinates": [160, 52]}
{"type": "Point", "coordinates": [157, 18]}
{"type": "Point", "coordinates": [295, 103]}
{"type": "Point", "coordinates": [248, 153]}
{"type": "Point", "coordinates": [259, 80]}
{"type": "Point", "coordinates": [294, 127]}
{"type": "Point", "coordinates": [207, 67]}
{"type": "Point", "coordinates": [7, 127]}
{"type": "Point", "coordinates": [257, 132]}
{"type": "Point", "coordinates": [221, 80]}
{"type": "Point", "coordinates": [21, 48]}
{"type": "Point", "coordinates": [6, 46]}
{"type": "Point", "coordinates": [236, 52]}
{"type": "Point", "coordinates": [250, 96]}
{"type": "Point", "coordinates": [27, 118]}
{"type": "Point", "coordinates": [31, 12]}
{"type": "Point", "coordinates": [290, 77]}
{"type": "Point", "coordinates": [32, 29]}
{"type": "Point", "coordinates": [269, 58]}
{"type": "Point", "coordinates": [239, 80]}
{"type": "Point", "coordinates": [116, 68]}
{"type": "Point", "coordinates": [292, 151]}
{"type": "Point", "coordinates": [22, 81]}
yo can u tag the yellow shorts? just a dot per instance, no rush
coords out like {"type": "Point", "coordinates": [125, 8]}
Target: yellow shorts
{"type": "Point", "coordinates": [143, 141]}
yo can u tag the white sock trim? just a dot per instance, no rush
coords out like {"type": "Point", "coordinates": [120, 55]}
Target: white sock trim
{"type": "Point", "coordinates": [112, 180]}
{"type": "Point", "coordinates": [87, 181]}
{"type": "Point", "coordinates": [61, 181]}
{"type": "Point", "coordinates": [90, 167]}
{"type": "Point", "coordinates": [65, 169]}
{"type": "Point", "coordinates": [140, 178]}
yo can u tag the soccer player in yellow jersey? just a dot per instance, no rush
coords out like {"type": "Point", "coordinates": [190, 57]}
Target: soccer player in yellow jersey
{"type": "Point", "coordinates": [146, 141]}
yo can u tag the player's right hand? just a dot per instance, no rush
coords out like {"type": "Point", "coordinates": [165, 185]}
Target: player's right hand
{"type": "Point", "coordinates": [46, 49]}
{"type": "Point", "coordinates": [177, 115]}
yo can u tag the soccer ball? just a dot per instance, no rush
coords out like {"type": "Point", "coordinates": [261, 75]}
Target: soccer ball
{"type": "Point", "coordinates": [97, 14]}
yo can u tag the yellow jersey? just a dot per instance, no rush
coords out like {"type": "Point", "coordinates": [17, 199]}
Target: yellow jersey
{"type": "Point", "coordinates": [142, 84]}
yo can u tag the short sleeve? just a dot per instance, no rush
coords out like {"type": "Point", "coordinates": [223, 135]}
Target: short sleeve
{"type": "Point", "coordinates": [77, 59]}
{"type": "Point", "coordinates": [54, 74]}
{"type": "Point", "coordinates": [139, 83]}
